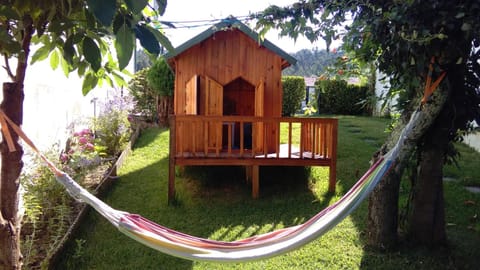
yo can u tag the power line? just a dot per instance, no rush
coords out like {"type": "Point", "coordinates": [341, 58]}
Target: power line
{"type": "Point", "coordinates": [197, 23]}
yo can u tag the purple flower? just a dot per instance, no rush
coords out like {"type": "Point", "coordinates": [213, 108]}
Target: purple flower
{"type": "Point", "coordinates": [83, 140]}
{"type": "Point", "coordinates": [86, 132]}
{"type": "Point", "coordinates": [89, 146]}
{"type": "Point", "coordinates": [64, 157]}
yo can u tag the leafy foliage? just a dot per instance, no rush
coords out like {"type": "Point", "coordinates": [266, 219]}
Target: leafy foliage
{"type": "Point", "coordinates": [48, 214]}
{"type": "Point", "coordinates": [143, 96]}
{"type": "Point", "coordinates": [112, 129]}
{"type": "Point", "coordinates": [293, 94]}
{"type": "Point", "coordinates": [404, 38]}
{"type": "Point", "coordinates": [401, 36]}
{"type": "Point", "coordinates": [76, 35]}
{"type": "Point", "coordinates": [160, 78]}
{"type": "Point", "coordinates": [338, 97]}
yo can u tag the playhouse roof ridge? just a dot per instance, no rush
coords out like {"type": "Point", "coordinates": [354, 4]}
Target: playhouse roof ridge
{"type": "Point", "coordinates": [231, 22]}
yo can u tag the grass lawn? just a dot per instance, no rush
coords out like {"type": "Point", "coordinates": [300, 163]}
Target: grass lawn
{"type": "Point", "coordinates": [216, 203]}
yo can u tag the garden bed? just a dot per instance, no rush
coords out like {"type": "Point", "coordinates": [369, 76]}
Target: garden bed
{"type": "Point", "coordinates": [100, 180]}
{"type": "Point", "coordinates": [40, 250]}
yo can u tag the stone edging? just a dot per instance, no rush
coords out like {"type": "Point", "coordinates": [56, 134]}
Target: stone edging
{"type": "Point", "coordinates": [106, 182]}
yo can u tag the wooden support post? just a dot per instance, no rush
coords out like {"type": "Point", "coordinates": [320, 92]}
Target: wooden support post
{"type": "Point", "coordinates": [171, 165]}
{"type": "Point", "coordinates": [332, 179]}
{"type": "Point", "coordinates": [255, 181]}
{"type": "Point", "coordinates": [248, 174]}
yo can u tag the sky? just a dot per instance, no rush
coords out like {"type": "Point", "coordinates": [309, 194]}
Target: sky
{"type": "Point", "coordinates": [191, 10]}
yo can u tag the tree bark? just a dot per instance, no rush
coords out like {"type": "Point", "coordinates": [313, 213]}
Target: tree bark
{"type": "Point", "coordinates": [427, 221]}
{"type": "Point", "coordinates": [11, 166]}
{"type": "Point", "coordinates": [11, 162]}
{"type": "Point", "coordinates": [382, 220]}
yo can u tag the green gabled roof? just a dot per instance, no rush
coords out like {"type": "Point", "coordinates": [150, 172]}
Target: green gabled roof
{"type": "Point", "coordinates": [229, 23]}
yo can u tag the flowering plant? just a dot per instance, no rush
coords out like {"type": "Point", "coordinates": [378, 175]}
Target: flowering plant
{"type": "Point", "coordinates": [80, 151]}
{"type": "Point", "coordinates": [112, 127]}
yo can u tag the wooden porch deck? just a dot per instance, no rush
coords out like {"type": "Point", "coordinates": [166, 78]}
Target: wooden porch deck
{"type": "Point", "coordinates": [207, 141]}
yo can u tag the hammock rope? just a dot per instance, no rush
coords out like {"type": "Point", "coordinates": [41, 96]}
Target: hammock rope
{"type": "Point", "coordinates": [253, 248]}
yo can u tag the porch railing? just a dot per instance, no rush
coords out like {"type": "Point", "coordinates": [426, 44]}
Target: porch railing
{"type": "Point", "coordinates": [251, 141]}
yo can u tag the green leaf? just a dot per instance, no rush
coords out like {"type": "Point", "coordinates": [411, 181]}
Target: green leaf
{"type": "Point", "coordinates": [109, 81]}
{"type": "Point", "coordinates": [81, 68]}
{"type": "Point", "coordinates": [69, 50]}
{"type": "Point", "coordinates": [65, 67]}
{"type": "Point", "coordinates": [8, 45]}
{"type": "Point", "coordinates": [147, 39]}
{"type": "Point", "coordinates": [466, 27]}
{"type": "Point", "coordinates": [136, 6]}
{"type": "Point", "coordinates": [119, 80]}
{"type": "Point", "coordinates": [103, 10]}
{"type": "Point", "coordinates": [41, 54]}
{"type": "Point", "coordinates": [120, 20]}
{"type": "Point", "coordinates": [89, 82]}
{"type": "Point", "coordinates": [162, 39]}
{"type": "Point", "coordinates": [162, 5]}
{"type": "Point", "coordinates": [8, 12]}
{"type": "Point", "coordinates": [91, 53]}
{"type": "Point", "coordinates": [124, 43]}
{"type": "Point", "coordinates": [54, 60]}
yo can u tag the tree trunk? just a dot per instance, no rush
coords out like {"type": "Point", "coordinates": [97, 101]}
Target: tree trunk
{"type": "Point", "coordinates": [11, 166]}
{"type": "Point", "coordinates": [383, 213]}
{"type": "Point", "coordinates": [427, 222]}
{"type": "Point", "coordinates": [383, 202]}
{"type": "Point", "coordinates": [11, 162]}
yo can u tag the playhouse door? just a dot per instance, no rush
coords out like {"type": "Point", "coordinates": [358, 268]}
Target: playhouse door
{"type": "Point", "coordinates": [258, 128]}
{"type": "Point", "coordinates": [214, 107]}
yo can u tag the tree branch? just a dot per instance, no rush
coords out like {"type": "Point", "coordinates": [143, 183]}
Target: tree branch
{"type": "Point", "coordinates": [7, 68]}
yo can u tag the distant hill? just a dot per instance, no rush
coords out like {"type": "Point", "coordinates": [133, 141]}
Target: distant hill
{"type": "Point", "coordinates": [311, 62]}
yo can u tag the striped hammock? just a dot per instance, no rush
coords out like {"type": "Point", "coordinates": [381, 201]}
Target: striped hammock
{"type": "Point", "coordinates": [257, 247]}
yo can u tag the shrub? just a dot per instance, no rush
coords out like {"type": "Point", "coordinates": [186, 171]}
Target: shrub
{"type": "Point", "coordinates": [338, 97]}
{"type": "Point", "coordinates": [293, 94]}
{"type": "Point", "coordinates": [143, 96]}
{"type": "Point", "coordinates": [161, 80]}
{"type": "Point", "coordinates": [112, 128]}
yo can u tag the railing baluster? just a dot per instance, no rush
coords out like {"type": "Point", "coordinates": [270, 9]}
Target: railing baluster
{"type": "Point", "coordinates": [314, 137]}
{"type": "Point", "coordinates": [241, 138]}
{"type": "Point", "coordinates": [289, 139]}
{"type": "Point", "coordinates": [229, 146]}
{"type": "Point", "coordinates": [277, 138]}
{"type": "Point", "coordinates": [264, 143]}
{"type": "Point", "coordinates": [326, 137]}
{"type": "Point", "coordinates": [302, 139]}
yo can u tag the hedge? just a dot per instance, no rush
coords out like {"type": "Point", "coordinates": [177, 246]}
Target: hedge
{"type": "Point", "coordinates": [338, 97]}
{"type": "Point", "coordinates": [293, 94]}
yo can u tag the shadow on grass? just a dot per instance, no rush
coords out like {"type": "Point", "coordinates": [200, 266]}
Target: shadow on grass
{"type": "Point", "coordinates": [462, 252]}
{"type": "Point", "coordinates": [216, 203]}
{"type": "Point", "coordinates": [213, 202]}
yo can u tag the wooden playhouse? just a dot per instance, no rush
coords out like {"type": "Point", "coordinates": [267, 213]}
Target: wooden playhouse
{"type": "Point", "coordinates": [228, 107]}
